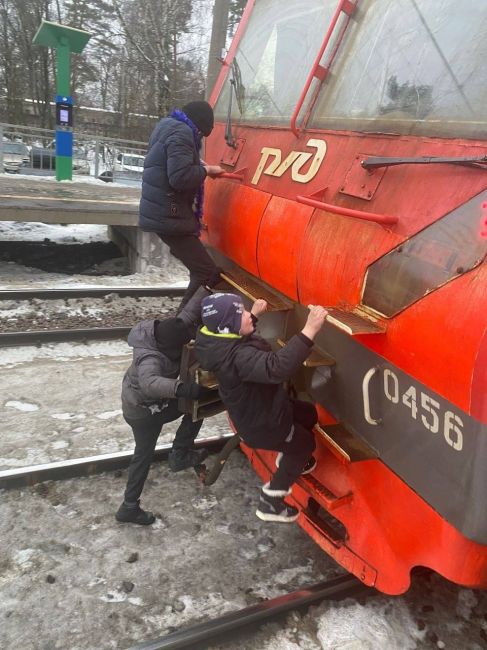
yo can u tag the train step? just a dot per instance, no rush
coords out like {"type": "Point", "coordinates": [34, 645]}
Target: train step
{"type": "Point", "coordinates": [329, 500]}
{"type": "Point", "coordinates": [316, 359]}
{"type": "Point", "coordinates": [353, 323]}
{"type": "Point", "coordinates": [254, 289]}
{"type": "Point", "coordinates": [347, 447]}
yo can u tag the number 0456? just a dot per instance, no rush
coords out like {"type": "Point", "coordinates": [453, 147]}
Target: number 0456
{"type": "Point", "coordinates": [426, 410]}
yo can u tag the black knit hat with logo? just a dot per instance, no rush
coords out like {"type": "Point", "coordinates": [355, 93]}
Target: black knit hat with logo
{"type": "Point", "coordinates": [201, 114]}
{"type": "Point", "coordinates": [222, 313]}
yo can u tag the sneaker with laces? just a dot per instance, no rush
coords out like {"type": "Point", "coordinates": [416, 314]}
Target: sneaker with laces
{"type": "Point", "coordinates": [180, 459]}
{"type": "Point", "coordinates": [134, 514]}
{"type": "Point", "coordinates": [272, 506]}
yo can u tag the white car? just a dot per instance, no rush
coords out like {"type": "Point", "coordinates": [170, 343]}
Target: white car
{"type": "Point", "coordinates": [129, 162]}
{"type": "Point", "coordinates": [15, 156]}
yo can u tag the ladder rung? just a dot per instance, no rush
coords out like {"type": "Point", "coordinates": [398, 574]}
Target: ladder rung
{"type": "Point", "coordinates": [352, 323]}
{"type": "Point", "coordinates": [254, 289]}
{"type": "Point", "coordinates": [340, 440]}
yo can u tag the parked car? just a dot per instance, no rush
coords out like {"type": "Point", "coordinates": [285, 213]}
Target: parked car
{"type": "Point", "coordinates": [15, 156]}
{"type": "Point", "coordinates": [129, 162]}
{"type": "Point", "coordinates": [45, 158]}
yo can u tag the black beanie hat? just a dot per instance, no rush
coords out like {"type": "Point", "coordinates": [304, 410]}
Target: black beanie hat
{"type": "Point", "coordinates": [201, 114]}
{"type": "Point", "coordinates": [222, 313]}
{"type": "Point", "coordinates": [171, 334]}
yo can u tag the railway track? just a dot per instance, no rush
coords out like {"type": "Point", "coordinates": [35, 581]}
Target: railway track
{"type": "Point", "coordinates": [40, 336]}
{"type": "Point", "coordinates": [195, 635]}
{"type": "Point", "coordinates": [90, 292]}
{"type": "Point", "coordinates": [63, 470]}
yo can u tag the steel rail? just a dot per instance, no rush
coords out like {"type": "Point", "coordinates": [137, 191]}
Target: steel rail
{"type": "Point", "coordinates": [66, 469]}
{"type": "Point", "coordinates": [194, 636]}
{"type": "Point", "coordinates": [90, 292]}
{"type": "Point", "coordinates": [35, 337]}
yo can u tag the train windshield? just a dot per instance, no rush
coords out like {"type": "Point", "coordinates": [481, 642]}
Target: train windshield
{"type": "Point", "coordinates": [410, 66]}
{"type": "Point", "coordinates": [432, 257]}
{"type": "Point", "coordinates": [274, 59]}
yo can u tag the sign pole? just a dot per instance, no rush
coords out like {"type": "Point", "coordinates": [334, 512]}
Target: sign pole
{"type": "Point", "coordinates": [64, 40]}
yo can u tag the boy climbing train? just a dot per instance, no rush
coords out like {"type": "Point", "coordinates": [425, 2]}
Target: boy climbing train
{"type": "Point", "coordinates": [250, 378]}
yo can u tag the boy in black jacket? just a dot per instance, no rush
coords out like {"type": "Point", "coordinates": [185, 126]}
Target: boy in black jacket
{"type": "Point", "coordinates": [250, 378]}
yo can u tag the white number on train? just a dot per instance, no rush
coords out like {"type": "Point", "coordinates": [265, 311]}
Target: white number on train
{"type": "Point", "coordinates": [431, 415]}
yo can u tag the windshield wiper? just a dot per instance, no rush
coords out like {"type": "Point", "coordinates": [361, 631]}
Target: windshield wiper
{"type": "Point", "coordinates": [374, 162]}
{"type": "Point", "coordinates": [238, 88]}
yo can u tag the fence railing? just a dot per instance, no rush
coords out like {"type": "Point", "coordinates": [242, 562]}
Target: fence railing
{"type": "Point", "coordinates": [26, 149]}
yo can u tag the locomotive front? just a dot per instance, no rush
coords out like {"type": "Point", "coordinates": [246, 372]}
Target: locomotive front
{"type": "Point", "coordinates": [354, 137]}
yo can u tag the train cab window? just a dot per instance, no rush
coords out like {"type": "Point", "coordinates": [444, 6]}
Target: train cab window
{"type": "Point", "coordinates": [274, 58]}
{"type": "Point", "coordinates": [446, 249]}
{"type": "Point", "coordinates": [410, 66]}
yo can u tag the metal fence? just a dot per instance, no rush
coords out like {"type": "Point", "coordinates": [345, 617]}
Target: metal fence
{"type": "Point", "coordinates": [29, 150]}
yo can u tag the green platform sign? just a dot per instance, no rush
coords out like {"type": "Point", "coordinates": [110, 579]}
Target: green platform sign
{"type": "Point", "coordinates": [64, 40]}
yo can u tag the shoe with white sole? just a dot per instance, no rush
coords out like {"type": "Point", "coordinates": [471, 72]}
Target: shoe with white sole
{"type": "Point", "coordinates": [273, 508]}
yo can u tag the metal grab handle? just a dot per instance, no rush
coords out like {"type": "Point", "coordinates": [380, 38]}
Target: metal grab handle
{"type": "Point", "coordinates": [348, 212]}
{"type": "Point", "coordinates": [318, 71]}
{"type": "Point", "coordinates": [365, 394]}
{"type": "Point", "coordinates": [231, 176]}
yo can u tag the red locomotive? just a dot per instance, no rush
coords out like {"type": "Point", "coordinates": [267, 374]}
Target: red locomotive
{"type": "Point", "coordinates": [354, 135]}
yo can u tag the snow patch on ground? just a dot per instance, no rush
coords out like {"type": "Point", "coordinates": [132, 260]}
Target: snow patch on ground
{"type": "Point", "coordinates": [64, 352]}
{"type": "Point", "coordinates": [108, 415]}
{"type": "Point", "coordinates": [351, 626]}
{"type": "Point", "coordinates": [68, 416]}
{"type": "Point", "coordinates": [16, 276]}
{"type": "Point", "coordinates": [21, 406]}
{"type": "Point", "coordinates": [55, 232]}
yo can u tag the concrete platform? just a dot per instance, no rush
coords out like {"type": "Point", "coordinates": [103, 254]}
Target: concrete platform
{"type": "Point", "coordinates": [31, 199]}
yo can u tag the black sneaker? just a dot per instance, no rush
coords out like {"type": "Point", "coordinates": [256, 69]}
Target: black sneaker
{"type": "Point", "coordinates": [134, 515]}
{"type": "Point", "coordinates": [180, 459]}
{"type": "Point", "coordinates": [275, 509]}
{"type": "Point", "coordinates": [309, 467]}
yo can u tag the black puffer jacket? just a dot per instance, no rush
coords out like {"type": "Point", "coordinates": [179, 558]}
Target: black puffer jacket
{"type": "Point", "coordinates": [152, 378]}
{"type": "Point", "coordinates": [171, 178]}
{"type": "Point", "coordinates": [250, 380]}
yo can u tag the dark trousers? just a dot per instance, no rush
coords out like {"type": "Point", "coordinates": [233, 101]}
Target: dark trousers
{"type": "Point", "coordinates": [297, 450]}
{"type": "Point", "coordinates": [191, 252]}
{"type": "Point", "coordinates": [146, 432]}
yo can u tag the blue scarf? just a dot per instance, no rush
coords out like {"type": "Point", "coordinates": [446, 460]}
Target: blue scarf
{"type": "Point", "coordinates": [198, 205]}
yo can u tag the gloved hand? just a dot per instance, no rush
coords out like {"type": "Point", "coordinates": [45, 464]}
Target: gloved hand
{"type": "Point", "coordinates": [193, 391]}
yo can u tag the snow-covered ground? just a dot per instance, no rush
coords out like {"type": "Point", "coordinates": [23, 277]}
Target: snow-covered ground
{"type": "Point", "coordinates": [15, 276]}
{"type": "Point", "coordinates": [68, 579]}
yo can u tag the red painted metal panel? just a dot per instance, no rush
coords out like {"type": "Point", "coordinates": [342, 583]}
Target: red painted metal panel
{"type": "Point", "coordinates": [280, 238]}
{"type": "Point", "coordinates": [232, 216]}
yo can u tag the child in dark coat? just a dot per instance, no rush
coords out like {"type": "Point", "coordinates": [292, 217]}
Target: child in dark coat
{"type": "Point", "coordinates": [250, 378]}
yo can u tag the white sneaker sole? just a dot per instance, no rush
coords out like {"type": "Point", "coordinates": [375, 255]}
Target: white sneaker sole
{"type": "Point", "coordinates": [269, 517]}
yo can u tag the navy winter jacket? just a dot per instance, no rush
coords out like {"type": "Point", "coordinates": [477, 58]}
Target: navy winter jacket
{"type": "Point", "coordinates": [250, 380]}
{"type": "Point", "coordinates": [172, 175]}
